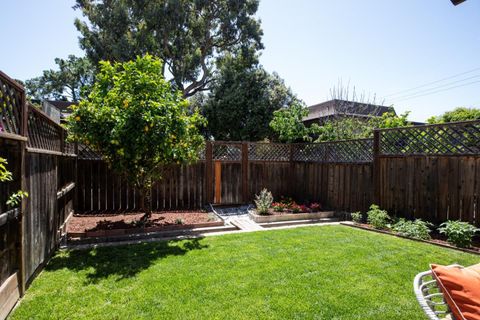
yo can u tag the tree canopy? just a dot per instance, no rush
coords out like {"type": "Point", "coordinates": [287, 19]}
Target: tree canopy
{"type": "Point", "coordinates": [74, 75]}
{"type": "Point", "coordinates": [288, 124]}
{"type": "Point", "coordinates": [458, 114]}
{"type": "Point", "coordinates": [242, 100]}
{"type": "Point", "coordinates": [137, 121]}
{"type": "Point", "coordinates": [355, 128]}
{"type": "Point", "coordinates": [189, 36]}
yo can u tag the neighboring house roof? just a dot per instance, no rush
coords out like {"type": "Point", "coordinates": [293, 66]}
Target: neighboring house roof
{"type": "Point", "coordinates": [337, 107]}
{"type": "Point", "coordinates": [63, 106]}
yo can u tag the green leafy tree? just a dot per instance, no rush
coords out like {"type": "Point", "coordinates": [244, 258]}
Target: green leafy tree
{"type": "Point", "coordinates": [288, 124]}
{"type": "Point", "coordinates": [138, 122]}
{"type": "Point", "coordinates": [189, 36]}
{"type": "Point", "coordinates": [242, 100]}
{"type": "Point", "coordinates": [354, 128]}
{"type": "Point", "coordinates": [74, 74]}
{"type": "Point", "coordinates": [458, 114]}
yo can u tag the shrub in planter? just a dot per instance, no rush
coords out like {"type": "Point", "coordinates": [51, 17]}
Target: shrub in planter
{"type": "Point", "coordinates": [377, 218]}
{"type": "Point", "coordinates": [315, 207]}
{"type": "Point", "coordinates": [417, 229]}
{"type": "Point", "coordinates": [295, 208]}
{"type": "Point", "coordinates": [278, 207]}
{"type": "Point", "coordinates": [304, 208]}
{"type": "Point", "coordinates": [357, 217]}
{"type": "Point", "coordinates": [263, 201]}
{"type": "Point", "coordinates": [458, 233]}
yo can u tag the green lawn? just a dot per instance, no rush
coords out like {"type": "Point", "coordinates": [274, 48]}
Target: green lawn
{"type": "Point", "coordinates": [329, 272]}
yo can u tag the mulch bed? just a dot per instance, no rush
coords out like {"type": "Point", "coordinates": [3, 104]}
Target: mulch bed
{"type": "Point", "coordinates": [128, 223]}
{"type": "Point", "coordinates": [437, 238]}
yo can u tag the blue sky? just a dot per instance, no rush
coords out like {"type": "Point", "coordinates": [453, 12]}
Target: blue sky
{"type": "Point", "coordinates": [379, 46]}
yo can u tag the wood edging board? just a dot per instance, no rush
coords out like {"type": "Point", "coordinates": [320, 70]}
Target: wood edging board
{"type": "Point", "coordinates": [9, 295]}
{"type": "Point", "coordinates": [443, 245]}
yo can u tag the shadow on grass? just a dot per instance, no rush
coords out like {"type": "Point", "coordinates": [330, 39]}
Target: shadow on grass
{"type": "Point", "coordinates": [120, 262]}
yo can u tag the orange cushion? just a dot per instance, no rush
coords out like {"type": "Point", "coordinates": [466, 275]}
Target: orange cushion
{"type": "Point", "coordinates": [461, 289]}
{"type": "Point", "coordinates": [475, 267]}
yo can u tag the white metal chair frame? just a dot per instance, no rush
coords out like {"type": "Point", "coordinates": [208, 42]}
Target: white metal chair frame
{"type": "Point", "coordinates": [430, 297]}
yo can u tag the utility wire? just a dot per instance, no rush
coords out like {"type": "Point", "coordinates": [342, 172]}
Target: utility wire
{"type": "Point", "coordinates": [448, 84]}
{"type": "Point", "coordinates": [433, 82]}
{"type": "Point", "coordinates": [437, 91]}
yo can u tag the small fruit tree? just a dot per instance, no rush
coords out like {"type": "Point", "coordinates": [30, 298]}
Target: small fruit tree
{"type": "Point", "coordinates": [138, 122]}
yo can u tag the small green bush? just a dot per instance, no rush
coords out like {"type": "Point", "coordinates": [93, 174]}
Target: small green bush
{"type": "Point", "coordinates": [263, 201]}
{"type": "Point", "coordinates": [417, 229]}
{"type": "Point", "coordinates": [357, 217]}
{"type": "Point", "coordinates": [377, 218]}
{"type": "Point", "coordinates": [458, 233]}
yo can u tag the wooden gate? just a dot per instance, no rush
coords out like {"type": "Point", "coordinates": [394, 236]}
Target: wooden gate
{"type": "Point", "coordinates": [230, 168]}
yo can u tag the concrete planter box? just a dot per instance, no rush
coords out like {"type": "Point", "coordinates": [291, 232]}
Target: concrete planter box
{"type": "Point", "coordinates": [290, 216]}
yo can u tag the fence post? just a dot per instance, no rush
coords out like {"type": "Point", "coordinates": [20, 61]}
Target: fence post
{"type": "Point", "coordinates": [208, 172]}
{"type": "Point", "coordinates": [376, 167]}
{"type": "Point", "coordinates": [23, 183]}
{"type": "Point", "coordinates": [245, 172]}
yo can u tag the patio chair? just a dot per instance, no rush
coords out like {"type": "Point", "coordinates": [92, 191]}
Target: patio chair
{"type": "Point", "coordinates": [430, 297]}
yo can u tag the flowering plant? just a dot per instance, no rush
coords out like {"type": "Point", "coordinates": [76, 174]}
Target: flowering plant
{"type": "Point", "coordinates": [304, 208]}
{"type": "Point", "coordinates": [278, 206]}
{"type": "Point", "coordinates": [295, 208]}
{"type": "Point", "coordinates": [315, 207]}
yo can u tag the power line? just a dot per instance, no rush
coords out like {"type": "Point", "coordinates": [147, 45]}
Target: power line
{"type": "Point", "coordinates": [437, 91]}
{"type": "Point", "coordinates": [433, 82]}
{"type": "Point", "coordinates": [435, 87]}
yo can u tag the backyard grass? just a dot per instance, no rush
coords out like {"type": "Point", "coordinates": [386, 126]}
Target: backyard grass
{"type": "Point", "coordinates": [328, 272]}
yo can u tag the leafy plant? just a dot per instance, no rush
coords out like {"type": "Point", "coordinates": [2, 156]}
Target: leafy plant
{"type": "Point", "coordinates": [417, 229]}
{"type": "Point", "coordinates": [179, 221]}
{"type": "Point", "coordinates": [458, 233]}
{"type": "Point", "coordinates": [288, 124]}
{"type": "Point", "coordinates": [263, 201]}
{"type": "Point", "coordinates": [6, 175]}
{"type": "Point", "coordinates": [315, 207]}
{"type": "Point", "coordinates": [278, 206]}
{"type": "Point", "coordinates": [15, 199]}
{"type": "Point", "coordinates": [377, 218]}
{"type": "Point", "coordinates": [357, 217]}
{"type": "Point", "coordinates": [296, 208]}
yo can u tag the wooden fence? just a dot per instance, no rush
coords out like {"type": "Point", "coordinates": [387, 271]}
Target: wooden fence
{"type": "Point", "coordinates": [43, 165]}
{"type": "Point", "coordinates": [430, 172]}
{"type": "Point", "coordinates": [233, 172]}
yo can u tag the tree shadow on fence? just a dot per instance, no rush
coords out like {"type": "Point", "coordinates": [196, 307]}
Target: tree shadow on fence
{"type": "Point", "coordinates": [121, 262]}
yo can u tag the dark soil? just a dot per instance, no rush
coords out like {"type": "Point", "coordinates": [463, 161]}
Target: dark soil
{"type": "Point", "coordinates": [83, 223]}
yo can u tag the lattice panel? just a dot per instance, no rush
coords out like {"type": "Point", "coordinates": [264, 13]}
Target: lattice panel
{"type": "Point", "coordinates": [268, 152]}
{"type": "Point", "coordinates": [69, 147]}
{"type": "Point", "coordinates": [350, 151]}
{"type": "Point", "coordinates": [312, 152]}
{"type": "Point", "coordinates": [86, 153]}
{"type": "Point", "coordinates": [227, 152]}
{"type": "Point", "coordinates": [201, 154]}
{"type": "Point", "coordinates": [446, 139]}
{"type": "Point", "coordinates": [43, 133]}
{"type": "Point", "coordinates": [10, 106]}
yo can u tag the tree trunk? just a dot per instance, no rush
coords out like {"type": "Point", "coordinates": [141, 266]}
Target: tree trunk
{"type": "Point", "coordinates": [146, 200]}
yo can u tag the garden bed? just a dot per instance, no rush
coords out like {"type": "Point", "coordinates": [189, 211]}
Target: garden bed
{"type": "Point", "coordinates": [275, 216]}
{"type": "Point", "coordinates": [437, 239]}
{"type": "Point", "coordinates": [107, 225]}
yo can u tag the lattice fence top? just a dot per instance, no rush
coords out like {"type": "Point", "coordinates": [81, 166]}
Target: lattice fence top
{"type": "Point", "coordinates": [10, 106]}
{"type": "Point", "coordinates": [462, 138]}
{"type": "Point", "coordinates": [268, 152]}
{"type": "Point", "coordinates": [350, 151]}
{"type": "Point", "coordinates": [87, 153]}
{"type": "Point", "coordinates": [43, 133]}
{"type": "Point", "coordinates": [227, 151]}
